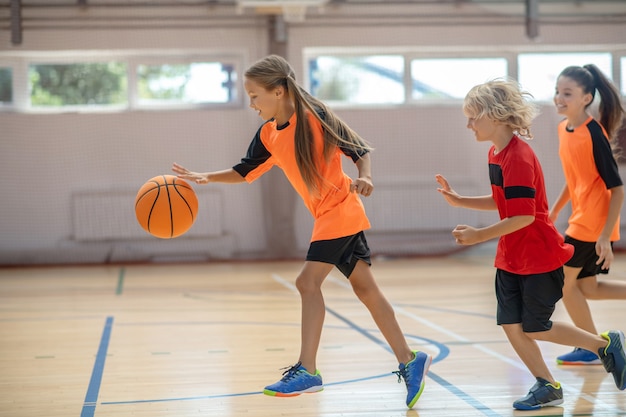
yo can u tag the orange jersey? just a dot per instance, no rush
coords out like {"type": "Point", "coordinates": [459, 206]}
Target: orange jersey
{"type": "Point", "coordinates": [338, 212]}
{"type": "Point", "coordinates": [590, 172]}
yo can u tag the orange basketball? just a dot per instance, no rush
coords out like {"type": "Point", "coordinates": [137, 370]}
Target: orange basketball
{"type": "Point", "coordinates": [166, 206]}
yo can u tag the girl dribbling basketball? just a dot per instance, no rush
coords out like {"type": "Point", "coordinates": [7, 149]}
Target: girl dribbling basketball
{"type": "Point", "coordinates": [307, 140]}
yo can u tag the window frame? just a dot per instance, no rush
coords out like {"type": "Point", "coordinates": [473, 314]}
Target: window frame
{"type": "Point", "coordinates": [5, 106]}
{"type": "Point", "coordinates": [20, 63]}
{"type": "Point", "coordinates": [510, 54]}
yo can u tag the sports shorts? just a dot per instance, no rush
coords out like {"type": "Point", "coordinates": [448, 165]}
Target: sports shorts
{"type": "Point", "coordinates": [528, 299]}
{"type": "Point", "coordinates": [585, 257]}
{"type": "Point", "coordinates": [343, 252]}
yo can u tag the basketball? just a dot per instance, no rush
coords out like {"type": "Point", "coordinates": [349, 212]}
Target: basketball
{"type": "Point", "coordinates": [166, 206]}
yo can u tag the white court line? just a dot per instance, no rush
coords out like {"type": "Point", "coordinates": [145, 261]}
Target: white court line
{"type": "Point", "coordinates": [516, 363]}
{"type": "Point", "coordinates": [284, 282]}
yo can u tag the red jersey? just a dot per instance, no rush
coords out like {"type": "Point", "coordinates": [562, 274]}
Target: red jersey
{"type": "Point", "coordinates": [518, 188]}
{"type": "Point", "coordinates": [338, 212]}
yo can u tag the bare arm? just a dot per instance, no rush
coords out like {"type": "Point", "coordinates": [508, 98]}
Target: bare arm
{"type": "Point", "coordinates": [603, 245]}
{"type": "Point", "coordinates": [229, 176]}
{"type": "Point", "coordinates": [363, 184]}
{"type": "Point", "coordinates": [560, 202]}
{"type": "Point", "coordinates": [485, 202]}
{"type": "Point", "coordinates": [468, 235]}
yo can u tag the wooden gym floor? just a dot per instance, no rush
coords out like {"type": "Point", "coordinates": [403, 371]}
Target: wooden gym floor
{"type": "Point", "coordinates": [182, 340]}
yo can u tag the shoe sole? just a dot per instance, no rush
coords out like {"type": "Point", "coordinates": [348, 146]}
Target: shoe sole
{"type": "Point", "coordinates": [579, 363]}
{"type": "Point", "coordinates": [311, 390]}
{"type": "Point", "coordinates": [537, 407]}
{"type": "Point", "coordinates": [427, 363]}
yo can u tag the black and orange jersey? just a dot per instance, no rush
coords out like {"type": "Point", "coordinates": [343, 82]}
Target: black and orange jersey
{"type": "Point", "coordinates": [518, 188]}
{"type": "Point", "coordinates": [337, 211]}
{"type": "Point", "coordinates": [590, 171]}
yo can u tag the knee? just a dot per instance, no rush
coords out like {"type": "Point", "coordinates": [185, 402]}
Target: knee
{"type": "Point", "coordinates": [307, 285]}
{"type": "Point", "coordinates": [363, 293]}
{"type": "Point", "coordinates": [589, 291]}
{"type": "Point", "coordinates": [570, 284]}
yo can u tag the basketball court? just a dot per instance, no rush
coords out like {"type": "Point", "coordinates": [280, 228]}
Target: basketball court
{"type": "Point", "coordinates": [99, 318]}
{"type": "Point", "coordinates": [204, 339]}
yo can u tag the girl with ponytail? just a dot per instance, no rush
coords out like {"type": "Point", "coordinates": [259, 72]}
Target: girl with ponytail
{"type": "Point", "coordinates": [588, 153]}
{"type": "Point", "coordinates": [307, 140]}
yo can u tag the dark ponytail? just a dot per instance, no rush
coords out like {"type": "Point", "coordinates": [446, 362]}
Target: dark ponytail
{"type": "Point", "coordinates": [590, 78]}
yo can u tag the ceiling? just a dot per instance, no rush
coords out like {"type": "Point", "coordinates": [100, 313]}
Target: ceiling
{"type": "Point", "coordinates": [18, 16]}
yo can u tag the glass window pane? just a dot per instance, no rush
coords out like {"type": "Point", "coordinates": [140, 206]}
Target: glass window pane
{"type": "Point", "coordinates": [452, 78]}
{"type": "Point", "coordinates": [538, 72]}
{"type": "Point", "coordinates": [202, 82]}
{"type": "Point", "coordinates": [6, 85]}
{"type": "Point", "coordinates": [83, 84]}
{"type": "Point", "coordinates": [373, 79]}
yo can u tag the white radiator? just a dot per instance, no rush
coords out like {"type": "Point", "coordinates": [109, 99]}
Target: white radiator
{"type": "Point", "coordinates": [110, 215]}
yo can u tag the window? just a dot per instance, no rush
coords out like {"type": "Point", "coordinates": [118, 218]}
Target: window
{"type": "Point", "coordinates": [117, 80]}
{"type": "Point", "coordinates": [452, 78]}
{"type": "Point", "coordinates": [81, 84]}
{"type": "Point", "coordinates": [187, 83]}
{"type": "Point", "coordinates": [6, 86]}
{"type": "Point", "coordinates": [372, 79]}
{"type": "Point", "coordinates": [538, 72]}
{"type": "Point", "coordinates": [380, 79]}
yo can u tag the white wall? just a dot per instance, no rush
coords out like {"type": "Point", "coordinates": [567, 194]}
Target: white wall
{"type": "Point", "coordinates": [46, 158]}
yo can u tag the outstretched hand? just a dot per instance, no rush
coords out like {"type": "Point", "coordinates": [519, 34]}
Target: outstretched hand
{"type": "Point", "coordinates": [185, 174]}
{"type": "Point", "coordinates": [448, 193]}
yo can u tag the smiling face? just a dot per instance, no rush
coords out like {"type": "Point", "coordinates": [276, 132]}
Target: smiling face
{"type": "Point", "coordinates": [265, 102]}
{"type": "Point", "coordinates": [570, 99]}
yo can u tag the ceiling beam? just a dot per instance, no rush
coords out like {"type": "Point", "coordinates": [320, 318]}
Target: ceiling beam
{"type": "Point", "coordinates": [532, 19]}
{"type": "Point", "coordinates": [16, 22]}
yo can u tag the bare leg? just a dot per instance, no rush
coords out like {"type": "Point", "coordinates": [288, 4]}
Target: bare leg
{"type": "Point", "coordinates": [367, 291]}
{"type": "Point", "coordinates": [566, 334]}
{"type": "Point", "coordinates": [309, 284]}
{"type": "Point", "coordinates": [528, 351]}
{"type": "Point", "coordinates": [575, 301]}
{"type": "Point", "coordinates": [594, 289]}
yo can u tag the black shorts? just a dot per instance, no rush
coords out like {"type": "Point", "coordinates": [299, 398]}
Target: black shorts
{"type": "Point", "coordinates": [343, 252]}
{"type": "Point", "coordinates": [585, 257]}
{"type": "Point", "coordinates": [528, 299]}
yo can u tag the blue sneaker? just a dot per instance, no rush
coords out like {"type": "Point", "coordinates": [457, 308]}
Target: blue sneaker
{"type": "Point", "coordinates": [295, 381]}
{"type": "Point", "coordinates": [413, 374]}
{"type": "Point", "coordinates": [614, 357]}
{"type": "Point", "coordinates": [579, 356]}
{"type": "Point", "coordinates": [542, 394]}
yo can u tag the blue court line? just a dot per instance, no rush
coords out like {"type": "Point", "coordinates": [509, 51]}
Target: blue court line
{"type": "Point", "coordinates": [242, 394]}
{"type": "Point", "coordinates": [199, 397]}
{"type": "Point", "coordinates": [89, 407]}
{"type": "Point", "coordinates": [443, 352]}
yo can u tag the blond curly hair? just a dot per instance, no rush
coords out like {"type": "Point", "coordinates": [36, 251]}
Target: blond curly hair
{"type": "Point", "coordinates": [504, 101]}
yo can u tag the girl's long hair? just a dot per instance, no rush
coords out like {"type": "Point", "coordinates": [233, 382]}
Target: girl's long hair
{"type": "Point", "coordinates": [590, 78]}
{"type": "Point", "coordinates": [274, 71]}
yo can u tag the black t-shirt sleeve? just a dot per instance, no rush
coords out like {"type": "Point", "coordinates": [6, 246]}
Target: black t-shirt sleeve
{"type": "Point", "coordinates": [256, 155]}
{"type": "Point", "coordinates": [603, 157]}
